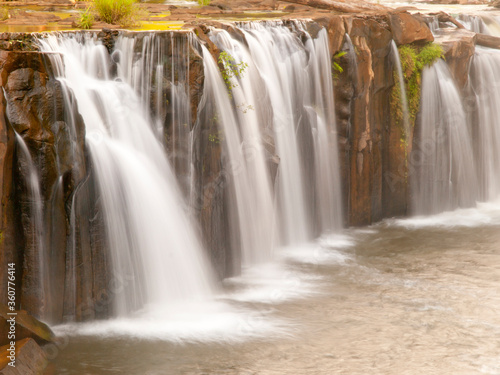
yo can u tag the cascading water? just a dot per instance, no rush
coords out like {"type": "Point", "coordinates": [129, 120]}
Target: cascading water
{"type": "Point", "coordinates": [404, 100]}
{"type": "Point", "coordinates": [279, 57]}
{"type": "Point", "coordinates": [35, 249]}
{"type": "Point", "coordinates": [244, 144]}
{"type": "Point", "coordinates": [485, 82]}
{"type": "Point", "coordinates": [289, 89]}
{"type": "Point", "coordinates": [144, 61]}
{"type": "Point", "coordinates": [444, 175]}
{"type": "Point", "coordinates": [473, 23]}
{"type": "Point", "coordinates": [154, 250]}
{"type": "Point", "coordinates": [322, 119]}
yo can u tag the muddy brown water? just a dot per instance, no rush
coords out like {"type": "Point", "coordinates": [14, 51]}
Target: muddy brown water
{"type": "Point", "coordinates": [404, 297]}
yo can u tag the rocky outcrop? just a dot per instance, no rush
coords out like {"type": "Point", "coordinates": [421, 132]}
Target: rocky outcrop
{"type": "Point", "coordinates": [29, 358]}
{"type": "Point", "coordinates": [458, 47]}
{"type": "Point", "coordinates": [369, 142]}
{"type": "Point", "coordinates": [340, 6]}
{"type": "Point", "coordinates": [408, 29]}
{"type": "Point", "coordinates": [25, 326]}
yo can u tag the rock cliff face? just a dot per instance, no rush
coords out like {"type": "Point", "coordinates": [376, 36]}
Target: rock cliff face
{"type": "Point", "coordinates": [32, 105]}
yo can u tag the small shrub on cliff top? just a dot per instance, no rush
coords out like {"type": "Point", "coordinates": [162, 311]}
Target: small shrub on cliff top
{"type": "Point", "coordinates": [122, 12]}
{"type": "Point", "coordinates": [85, 20]}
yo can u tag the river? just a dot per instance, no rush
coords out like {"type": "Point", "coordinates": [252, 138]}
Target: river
{"type": "Point", "coordinates": [410, 296]}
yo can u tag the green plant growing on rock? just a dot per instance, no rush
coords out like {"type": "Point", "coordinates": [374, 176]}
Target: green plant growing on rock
{"type": "Point", "coordinates": [85, 19]}
{"type": "Point", "coordinates": [337, 68]}
{"type": "Point", "coordinates": [204, 2]}
{"type": "Point", "coordinates": [413, 60]}
{"type": "Point", "coordinates": [231, 69]}
{"type": "Point", "coordinates": [216, 137]}
{"type": "Point", "coordinates": [126, 13]}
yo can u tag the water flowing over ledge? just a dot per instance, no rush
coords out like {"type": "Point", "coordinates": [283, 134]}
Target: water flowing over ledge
{"type": "Point", "coordinates": [184, 169]}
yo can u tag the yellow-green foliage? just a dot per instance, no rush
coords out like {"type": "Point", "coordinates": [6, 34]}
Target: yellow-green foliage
{"type": "Point", "coordinates": [86, 19]}
{"type": "Point", "coordinates": [4, 13]}
{"type": "Point", "coordinates": [204, 2]}
{"type": "Point", "coordinates": [230, 69]}
{"type": "Point", "coordinates": [337, 68]}
{"type": "Point", "coordinates": [413, 61]}
{"type": "Point", "coordinates": [122, 12]}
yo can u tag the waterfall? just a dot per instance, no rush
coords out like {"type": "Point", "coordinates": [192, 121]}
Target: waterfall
{"type": "Point", "coordinates": [34, 256]}
{"type": "Point", "coordinates": [404, 98]}
{"type": "Point", "coordinates": [154, 249]}
{"type": "Point", "coordinates": [485, 82]}
{"type": "Point", "coordinates": [473, 23]}
{"type": "Point", "coordinates": [442, 161]}
{"type": "Point", "coordinates": [285, 93]}
{"type": "Point", "coordinates": [322, 119]}
{"type": "Point", "coordinates": [145, 62]}
{"type": "Point", "coordinates": [244, 144]}
{"type": "Point", "coordinates": [281, 60]}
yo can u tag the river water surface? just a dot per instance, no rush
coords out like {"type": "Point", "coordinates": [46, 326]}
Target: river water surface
{"type": "Point", "coordinates": [412, 296]}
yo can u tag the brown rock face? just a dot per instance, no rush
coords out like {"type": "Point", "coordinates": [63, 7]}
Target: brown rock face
{"type": "Point", "coordinates": [362, 102]}
{"type": "Point", "coordinates": [407, 29]}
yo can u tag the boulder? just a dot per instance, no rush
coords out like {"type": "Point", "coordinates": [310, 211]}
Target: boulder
{"type": "Point", "coordinates": [458, 47]}
{"type": "Point", "coordinates": [26, 327]}
{"type": "Point", "coordinates": [30, 359]}
{"type": "Point", "coordinates": [408, 29]}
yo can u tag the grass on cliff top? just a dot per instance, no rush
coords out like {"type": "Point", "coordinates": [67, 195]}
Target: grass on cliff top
{"type": "Point", "coordinates": [126, 13]}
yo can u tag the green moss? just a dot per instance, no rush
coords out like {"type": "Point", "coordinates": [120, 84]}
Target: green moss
{"type": "Point", "coordinates": [413, 60]}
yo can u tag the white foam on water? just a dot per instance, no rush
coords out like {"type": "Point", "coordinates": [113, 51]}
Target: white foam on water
{"type": "Point", "coordinates": [484, 214]}
{"type": "Point", "coordinates": [328, 249]}
{"type": "Point", "coordinates": [272, 283]}
{"type": "Point", "coordinates": [198, 322]}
